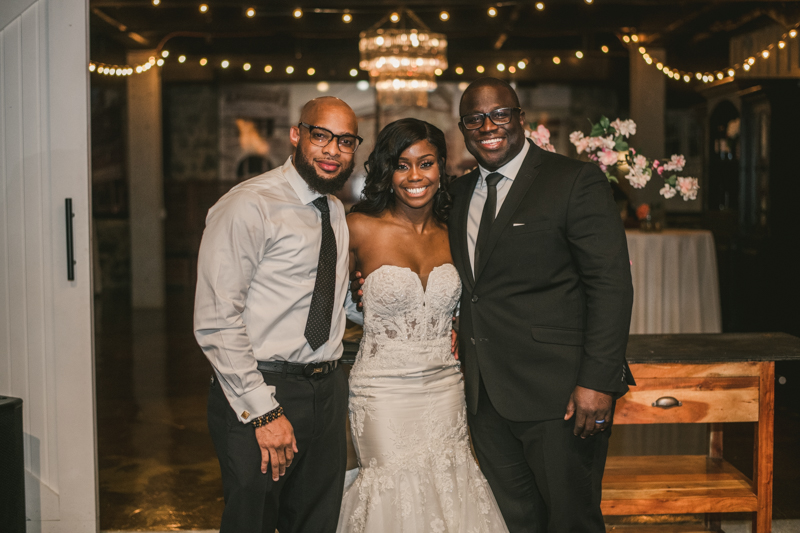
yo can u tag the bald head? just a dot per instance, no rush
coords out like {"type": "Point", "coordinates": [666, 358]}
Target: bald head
{"type": "Point", "coordinates": [326, 108]}
{"type": "Point", "coordinates": [494, 83]}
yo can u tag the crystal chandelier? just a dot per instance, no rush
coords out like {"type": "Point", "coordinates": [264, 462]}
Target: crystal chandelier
{"type": "Point", "coordinates": [402, 62]}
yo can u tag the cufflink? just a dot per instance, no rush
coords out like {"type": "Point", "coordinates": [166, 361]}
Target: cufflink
{"type": "Point", "coordinates": [245, 414]}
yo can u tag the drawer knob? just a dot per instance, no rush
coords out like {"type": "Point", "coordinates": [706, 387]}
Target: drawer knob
{"type": "Point", "coordinates": [667, 402]}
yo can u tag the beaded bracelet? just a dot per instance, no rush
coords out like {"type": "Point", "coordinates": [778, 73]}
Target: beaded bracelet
{"type": "Point", "coordinates": [265, 419]}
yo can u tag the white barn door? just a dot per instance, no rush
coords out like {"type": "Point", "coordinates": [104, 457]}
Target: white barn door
{"type": "Point", "coordinates": [46, 337]}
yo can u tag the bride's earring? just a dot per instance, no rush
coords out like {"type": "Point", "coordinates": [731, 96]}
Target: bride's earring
{"type": "Point", "coordinates": [391, 190]}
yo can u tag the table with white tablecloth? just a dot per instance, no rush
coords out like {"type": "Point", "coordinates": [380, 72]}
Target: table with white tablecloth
{"type": "Point", "coordinates": [675, 290]}
{"type": "Point", "coordinates": [675, 284]}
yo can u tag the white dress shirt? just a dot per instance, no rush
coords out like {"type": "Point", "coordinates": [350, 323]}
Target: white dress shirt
{"type": "Point", "coordinates": [509, 172]}
{"type": "Point", "coordinates": [255, 278]}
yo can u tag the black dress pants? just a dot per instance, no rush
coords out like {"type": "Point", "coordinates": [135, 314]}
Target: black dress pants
{"type": "Point", "coordinates": [308, 497]}
{"type": "Point", "coordinates": [545, 479]}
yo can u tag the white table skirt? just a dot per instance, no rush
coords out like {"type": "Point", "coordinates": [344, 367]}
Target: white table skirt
{"type": "Point", "coordinates": [675, 283]}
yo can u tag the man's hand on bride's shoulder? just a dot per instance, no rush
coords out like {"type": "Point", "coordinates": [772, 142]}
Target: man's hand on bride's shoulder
{"type": "Point", "coordinates": [454, 338]}
{"type": "Point", "coordinates": [356, 281]}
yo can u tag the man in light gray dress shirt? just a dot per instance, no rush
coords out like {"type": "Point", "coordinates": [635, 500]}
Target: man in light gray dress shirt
{"type": "Point", "coordinates": [269, 316]}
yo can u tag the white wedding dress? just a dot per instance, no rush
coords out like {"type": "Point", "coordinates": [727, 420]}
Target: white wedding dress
{"type": "Point", "coordinates": [408, 415]}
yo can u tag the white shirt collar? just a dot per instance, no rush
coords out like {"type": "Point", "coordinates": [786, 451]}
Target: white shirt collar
{"type": "Point", "coordinates": [509, 170]}
{"type": "Point", "coordinates": [305, 193]}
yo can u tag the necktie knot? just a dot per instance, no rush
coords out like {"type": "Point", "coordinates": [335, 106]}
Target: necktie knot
{"type": "Point", "coordinates": [493, 179]}
{"type": "Point", "coordinates": [321, 203]}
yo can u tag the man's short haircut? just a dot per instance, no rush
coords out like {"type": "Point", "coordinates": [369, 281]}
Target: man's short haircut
{"type": "Point", "coordinates": [488, 81]}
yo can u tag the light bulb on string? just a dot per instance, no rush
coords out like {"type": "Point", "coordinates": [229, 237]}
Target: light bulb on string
{"type": "Point", "coordinates": [626, 38]}
{"type": "Point", "coordinates": [746, 66]}
{"type": "Point", "coordinates": [394, 17]}
{"type": "Point", "coordinates": [251, 12]}
{"type": "Point", "coordinates": [444, 15]}
{"type": "Point", "coordinates": [203, 8]}
{"type": "Point", "coordinates": [765, 54]}
{"type": "Point", "coordinates": [500, 67]}
{"type": "Point", "coordinates": [459, 70]}
{"type": "Point", "coordinates": [604, 49]}
{"type": "Point", "coordinates": [793, 34]}
{"type": "Point", "coordinates": [480, 69]}
{"type": "Point", "coordinates": [203, 62]}
{"type": "Point", "coordinates": [353, 73]}
{"type": "Point", "coordinates": [512, 69]}
{"type": "Point", "coordinates": [579, 54]}
{"type": "Point", "coordinates": [781, 45]}
{"type": "Point", "coordinates": [635, 38]}
{"type": "Point", "coordinates": [522, 64]}
{"type": "Point", "coordinates": [540, 6]}
{"type": "Point", "coordinates": [165, 53]}
{"type": "Point", "coordinates": [181, 59]}
{"type": "Point", "coordinates": [246, 67]}
{"type": "Point", "coordinates": [160, 62]}
{"type": "Point", "coordinates": [557, 60]}
{"type": "Point", "coordinates": [156, 2]}
{"type": "Point", "coordinates": [347, 18]}
{"type": "Point", "coordinates": [289, 69]}
{"type": "Point", "coordinates": [267, 68]}
{"type": "Point", "coordinates": [492, 12]}
{"type": "Point", "coordinates": [311, 71]}
{"type": "Point", "coordinates": [297, 13]}
{"type": "Point", "coordinates": [225, 63]}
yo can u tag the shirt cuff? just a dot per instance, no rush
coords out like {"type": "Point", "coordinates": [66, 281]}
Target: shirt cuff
{"type": "Point", "coordinates": [252, 404]}
{"type": "Point", "coordinates": [351, 310]}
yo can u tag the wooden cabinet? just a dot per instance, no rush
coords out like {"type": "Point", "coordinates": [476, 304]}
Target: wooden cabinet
{"type": "Point", "coordinates": [705, 379]}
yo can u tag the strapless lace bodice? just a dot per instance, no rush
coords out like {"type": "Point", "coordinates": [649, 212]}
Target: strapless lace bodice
{"type": "Point", "coordinates": [413, 323]}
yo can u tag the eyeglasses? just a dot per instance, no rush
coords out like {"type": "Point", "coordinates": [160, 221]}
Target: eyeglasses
{"type": "Point", "coordinates": [322, 137]}
{"type": "Point", "coordinates": [497, 116]}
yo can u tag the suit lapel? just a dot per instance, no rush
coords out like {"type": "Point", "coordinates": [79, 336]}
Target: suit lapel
{"type": "Point", "coordinates": [462, 219]}
{"type": "Point", "coordinates": [519, 188]}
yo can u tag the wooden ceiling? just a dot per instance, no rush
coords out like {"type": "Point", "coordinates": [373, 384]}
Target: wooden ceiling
{"type": "Point", "coordinates": [694, 33]}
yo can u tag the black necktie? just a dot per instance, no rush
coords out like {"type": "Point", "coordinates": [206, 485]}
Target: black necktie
{"type": "Point", "coordinates": [489, 211]}
{"type": "Point", "coordinates": [318, 326]}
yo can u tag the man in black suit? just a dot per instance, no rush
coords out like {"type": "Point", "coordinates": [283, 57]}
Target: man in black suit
{"type": "Point", "coordinates": [545, 313]}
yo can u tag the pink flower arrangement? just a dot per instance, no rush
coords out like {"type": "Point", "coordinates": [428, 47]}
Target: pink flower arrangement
{"type": "Point", "coordinates": [541, 137]}
{"type": "Point", "coordinates": [608, 140]}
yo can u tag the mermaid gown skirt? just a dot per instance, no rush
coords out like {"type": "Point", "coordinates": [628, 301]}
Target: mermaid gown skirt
{"type": "Point", "coordinates": [408, 415]}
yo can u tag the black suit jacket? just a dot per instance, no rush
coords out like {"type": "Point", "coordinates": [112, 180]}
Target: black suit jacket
{"type": "Point", "coordinates": [549, 307]}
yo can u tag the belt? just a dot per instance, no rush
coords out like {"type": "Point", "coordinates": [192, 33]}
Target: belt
{"type": "Point", "coordinates": [315, 370]}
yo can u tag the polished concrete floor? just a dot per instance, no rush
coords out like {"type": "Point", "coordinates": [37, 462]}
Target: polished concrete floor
{"type": "Point", "coordinates": [158, 470]}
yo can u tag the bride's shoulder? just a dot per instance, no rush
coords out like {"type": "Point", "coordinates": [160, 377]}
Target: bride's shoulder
{"type": "Point", "coordinates": [362, 224]}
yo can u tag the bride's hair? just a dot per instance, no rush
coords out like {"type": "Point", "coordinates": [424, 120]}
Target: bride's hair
{"type": "Point", "coordinates": [392, 141]}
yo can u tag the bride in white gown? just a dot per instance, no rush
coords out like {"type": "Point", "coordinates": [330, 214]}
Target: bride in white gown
{"type": "Point", "coordinates": [407, 408]}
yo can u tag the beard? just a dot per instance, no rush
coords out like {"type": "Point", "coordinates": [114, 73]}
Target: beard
{"type": "Point", "coordinates": [318, 183]}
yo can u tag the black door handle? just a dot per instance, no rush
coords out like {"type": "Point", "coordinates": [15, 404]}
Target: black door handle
{"type": "Point", "coordinates": [70, 250]}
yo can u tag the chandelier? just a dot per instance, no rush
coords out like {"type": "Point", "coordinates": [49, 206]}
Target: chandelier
{"type": "Point", "coordinates": [402, 62]}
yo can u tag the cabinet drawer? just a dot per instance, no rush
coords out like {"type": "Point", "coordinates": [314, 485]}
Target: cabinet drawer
{"type": "Point", "coordinates": [689, 400]}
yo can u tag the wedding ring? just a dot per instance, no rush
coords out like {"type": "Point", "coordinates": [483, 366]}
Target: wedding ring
{"type": "Point", "coordinates": [600, 421]}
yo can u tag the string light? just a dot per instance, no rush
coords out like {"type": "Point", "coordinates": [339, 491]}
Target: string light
{"type": "Point", "coordinates": [267, 68]}
{"type": "Point", "coordinates": [492, 12]}
{"type": "Point", "coordinates": [444, 15]}
{"type": "Point", "coordinates": [522, 65]}
{"type": "Point", "coordinates": [203, 62]}
{"type": "Point", "coordinates": [579, 54]}
{"type": "Point", "coordinates": [438, 72]}
{"type": "Point", "coordinates": [480, 69]}
{"type": "Point", "coordinates": [251, 12]}
{"type": "Point", "coordinates": [556, 60]}
{"type": "Point", "coordinates": [540, 5]}
{"type": "Point", "coordinates": [604, 49]}
{"type": "Point", "coordinates": [156, 2]}
{"type": "Point", "coordinates": [708, 77]}
{"type": "Point", "coordinates": [160, 62]}
{"type": "Point", "coordinates": [353, 73]}
{"type": "Point", "coordinates": [203, 8]}
{"type": "Point", "coordinates": [246, 67]}
{"type": "Point", "coordinates": [501, 67]}
{"type": "Point", "coordinates": [589, 1]}
{"type": "Point", "coordinates": [289, 69]}
{"type": "Point", "coordinates": [459, 70]}
{"type": "Point", "coordinates": [165, 54]}
{"type": "Point", "coordinates": [323, 86]}
{"type": "Point", "coordinates": [181, 59]}
{"type": "Point", "coordinates": [225, 63]}
{"type": "Point", "coordinates": [394, 17]}
{"type": "Point", "coordinates": [512, 69]}
{"type": "Point", "coordinates": [310, 71]}
{"type": "Point", "coordinates": [347, 18]}
{"type": "Point", "coordinates": [297, 13]}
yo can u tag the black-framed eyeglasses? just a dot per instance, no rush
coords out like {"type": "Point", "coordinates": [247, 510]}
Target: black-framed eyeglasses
{"type": "Point", "coordinates": [322, 137]}
{"type": "Point", "coordinates": [498, 116]}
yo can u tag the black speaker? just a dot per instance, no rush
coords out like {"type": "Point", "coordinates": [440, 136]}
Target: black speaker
{"type": "Point", "coordinates": [12, 467]}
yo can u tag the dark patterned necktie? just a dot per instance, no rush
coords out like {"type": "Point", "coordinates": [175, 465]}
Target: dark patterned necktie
{"type": "Point", "coordinates": [489, 211]}
{"type": "Point", "coordinates": [318, 326]}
